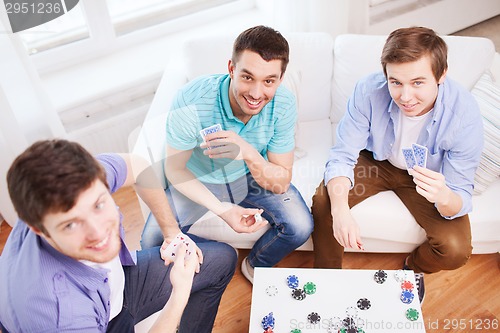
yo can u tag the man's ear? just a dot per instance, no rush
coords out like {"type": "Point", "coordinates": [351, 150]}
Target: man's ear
{"type": "Point", "coordinates": [441, 79]}
{"type": "Point", "coordinates": [230, 68]}
{"type": "Point", "coordinates": [38, 231]}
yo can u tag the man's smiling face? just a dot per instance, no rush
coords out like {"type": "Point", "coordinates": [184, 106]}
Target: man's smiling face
{"type": "Point", "coordinates": [89, 230]}
{"type": "Point", "coordinates": [254, 82]}
{"type": "Point", "coordinates": [412, 86]}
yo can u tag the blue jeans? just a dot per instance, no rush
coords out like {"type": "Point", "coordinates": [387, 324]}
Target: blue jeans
{"type": "Point", "coordinates": [148, 287]}
{"type": "Point", "coordinates": [289, 217]}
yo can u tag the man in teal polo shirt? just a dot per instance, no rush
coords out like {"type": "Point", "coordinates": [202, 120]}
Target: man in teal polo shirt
{"type": "Point", "coordinates": [242, 172]}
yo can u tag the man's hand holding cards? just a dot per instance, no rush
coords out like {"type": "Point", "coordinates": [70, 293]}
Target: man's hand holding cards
{"type": "Point", "coordinates": [170, 252]}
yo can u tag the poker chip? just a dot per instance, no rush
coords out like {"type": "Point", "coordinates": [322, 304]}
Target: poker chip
{"type": "Point", "coordinates": [348, 322]}
{"type": "Point", "coordinates": [313, 317]}
{"type": "Point", "coordinates": [298, 294]}
{"type": "Point", "coordinates": [380, 276]}
{"type": "Point", "coordinates": [292, 281]}
{"type": "Point", "coordinates": [412, 314]}
{"type": "Point", "coordinates": [272, 291]}
{"type": "Point", "coordinates": [334, 324]}
{"type": "Point", "coordinates": [309, 288]}
{"type": "Point", "coordinates": [269, 330]}
{"type": "Point", "coordinates": [349, 330]}
{"type": "Point", "coordinates": [400, 275]}
{"type": "Point", "coordinates": [295, 330]}
{"type": "Point", "coordinates": [406, 296]}
{"type": "Point", "coordinates": [407, 285]}
{"type": "Point", "coordinates": [351, 312]}
{"type": "Point", "coordinates": [268, 321]}
{"type": "Point", "coordinates": [364, 304]}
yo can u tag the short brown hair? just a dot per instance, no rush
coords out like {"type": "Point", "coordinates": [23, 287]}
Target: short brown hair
{"type": "Point", "coordinates": [410, 44]}
{"type": "Point", "coordinates": [48, 177]}
{"type": "Point", "coordinates": [266, 42]}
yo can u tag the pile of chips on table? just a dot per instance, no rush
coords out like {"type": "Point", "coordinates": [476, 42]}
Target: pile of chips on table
{"type": "Point", "coordinates": [407, 287]}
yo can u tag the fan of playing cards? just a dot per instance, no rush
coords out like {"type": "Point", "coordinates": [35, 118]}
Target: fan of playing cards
{"type": "Point", "coordinates": [171, 251]}
{"type": "Point", "coordinates": [416, 155]}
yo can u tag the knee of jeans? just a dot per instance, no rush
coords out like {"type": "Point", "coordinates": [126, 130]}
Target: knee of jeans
{"type": "Point", "coordinates": [226, 257]}
{"type": "Point", "coordinates": [454, 252]}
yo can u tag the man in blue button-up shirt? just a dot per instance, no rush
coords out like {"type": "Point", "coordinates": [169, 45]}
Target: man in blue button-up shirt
{"type": "Point", "coordinates": [411, 101]}
{"type": "Point", "coordinates": [65, 266]}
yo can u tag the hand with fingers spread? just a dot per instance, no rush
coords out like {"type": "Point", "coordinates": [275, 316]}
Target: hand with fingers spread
{"type": "Point", "coordinates": [242, 220]}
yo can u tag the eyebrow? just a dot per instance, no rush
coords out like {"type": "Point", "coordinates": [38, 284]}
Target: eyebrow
{"type": "Point", "coordinates": [272, 76]}
{"type": "Point", "coordinates": [420, 78]}
{"type": "Point", "coordinates": [72, 219]}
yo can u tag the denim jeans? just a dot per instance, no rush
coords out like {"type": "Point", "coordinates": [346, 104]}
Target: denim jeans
{"type": "Point", "coordinates": [289, 217]}
{"type": "Point", "coordinates": [148, 287]}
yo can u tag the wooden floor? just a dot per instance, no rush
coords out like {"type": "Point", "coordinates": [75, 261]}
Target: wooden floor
{"type": "Point", "coordinates": [470, 295]}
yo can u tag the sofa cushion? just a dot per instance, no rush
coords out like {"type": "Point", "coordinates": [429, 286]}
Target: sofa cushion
{"type": "Point", "coordinates": [487, 94]}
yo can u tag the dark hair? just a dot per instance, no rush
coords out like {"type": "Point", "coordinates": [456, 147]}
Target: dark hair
{"type": "Point", "coordinates": [48, 177]}
{"type": "Point", "coordinates": [410, 44]}
{"type": "Point", "coordinates": [266, 42]}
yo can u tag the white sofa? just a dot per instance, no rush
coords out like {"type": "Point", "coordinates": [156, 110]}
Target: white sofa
{"type": "Point", "coordinates": [322, 72]}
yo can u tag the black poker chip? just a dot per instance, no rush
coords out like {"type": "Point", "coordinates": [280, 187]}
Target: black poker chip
{"type": "Point", "coordinates": [349, 322]}
{"type": "Point", "coordinates": [364, 304]}
{"type": "Point", "coordinates": [313, 318]}
{"type": "Point", "coordinates": [298, 294]}
{"type": "Point", "coordinates": [380, 276]}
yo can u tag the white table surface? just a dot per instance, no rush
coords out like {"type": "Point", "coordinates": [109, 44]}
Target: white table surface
{"type": "Point", "coordinates": [336, 290]}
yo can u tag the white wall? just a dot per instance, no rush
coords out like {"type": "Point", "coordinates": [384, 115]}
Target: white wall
{"type": "Point", "coordinates": [26, 114]}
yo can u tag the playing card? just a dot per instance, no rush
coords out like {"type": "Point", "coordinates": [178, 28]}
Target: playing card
{"type": "Point", "coordinates": [420, 153]}
{"type": "Point", "coordinates": [171, 251]}
{"type": "Point", "coordinates": [410, 159]}
{"type": "Point", "coordinates": [209, 130]}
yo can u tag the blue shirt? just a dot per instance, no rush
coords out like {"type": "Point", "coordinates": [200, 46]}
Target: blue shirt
{"type": "Point", "coordinates": [204, 102]}
{"type": "Point", "coordinates": [453, 135]}
{"type": "Point", "coordinates": [42, 290]}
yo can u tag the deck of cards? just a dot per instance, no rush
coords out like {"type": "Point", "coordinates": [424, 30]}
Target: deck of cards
{"type": "Point", "coordinates": [171, 251]}
{"type": "Point", "coordinates": [209, 130]}
{"type": "Point", "coordinates": [416, 155]}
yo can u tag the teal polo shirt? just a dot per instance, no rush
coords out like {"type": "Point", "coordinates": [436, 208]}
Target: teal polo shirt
{"type": "Point", "coordinates": [204, 102]}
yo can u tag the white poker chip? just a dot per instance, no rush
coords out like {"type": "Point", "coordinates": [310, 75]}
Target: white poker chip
{"type": "Point", "coordinates": [272, 290]}
{"type": "Point", "coordinates": [400, 275]}
{"type": "Point", "coordinates": [258, 217]}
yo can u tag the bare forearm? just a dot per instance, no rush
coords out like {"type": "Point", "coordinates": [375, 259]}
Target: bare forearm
{"type": "Point", "coordinates": [171, 314]}
{"type": "Point", "coordinates": [268, 175]}
{"type": "Point", "coordinates": [157, 201]}
{"type": "Point", "coordinates": [186, 183]}
{"type": "Point", "coordinates": [338, 191]}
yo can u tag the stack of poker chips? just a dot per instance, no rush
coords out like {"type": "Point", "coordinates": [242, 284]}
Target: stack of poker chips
{"type": "Point", "coordinates": [268, 323]}
{"type": "Point", "coordinates": [407, 294]}
{"type": "Point", "coordinates": [300, 294]}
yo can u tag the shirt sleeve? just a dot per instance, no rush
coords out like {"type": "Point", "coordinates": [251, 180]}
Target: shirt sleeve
{"type": "Point", "coordinates": [283, 139]}
{"type": "Point", "coordinates": [183, 123]}
{"type": "Point", "coordinates": [352, 136]}
{"type": "Point", "coordinates": [116, 170]}
{"type": "Point", "coordinates": [462, 159]}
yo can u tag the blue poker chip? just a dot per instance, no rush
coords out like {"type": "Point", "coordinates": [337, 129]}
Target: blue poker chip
{"type": "Point", "coordinates": [268, 321]}
{"type": "Point", "coordinates": [292, 281]}
{"type": "Point", "coordinates": [407, 296]}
